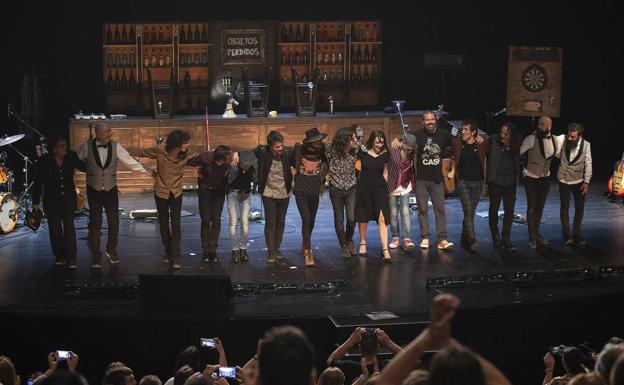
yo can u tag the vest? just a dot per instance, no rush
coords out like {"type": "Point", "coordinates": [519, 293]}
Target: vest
{"type": "Point", "coordinates": [537, 163]}
{"type": "Point", "coordinates": [573, 169]}
{"type": "Point", "coordinates": [101, 177]}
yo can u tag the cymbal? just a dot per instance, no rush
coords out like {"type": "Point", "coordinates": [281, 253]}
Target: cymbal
{"type": "Point", "coordinates": [10, 139]}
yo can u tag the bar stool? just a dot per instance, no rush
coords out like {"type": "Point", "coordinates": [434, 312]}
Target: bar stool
{"type": "Point", "coordinates": [305, 94]}
{"type": "Point", "coordinates": [254, 91]}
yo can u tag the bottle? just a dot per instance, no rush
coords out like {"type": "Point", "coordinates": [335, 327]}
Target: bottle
{"type": "Point", "coordinates": [196, 57]}
{"type": "Point", "coordinates": [168, 59]}
{"type": "Point", "coordinates": [189, 58]}
{"type": "Point", "coordinates": [283, 55]}
{"type": "Point", "coordinates": [367, 33]}
{"type": "Point", "coordinates": [196, 32]}
{"type": "Point", "coordinates": [161, 35]}
{"type": "Point", "coordinates": [284, 33]}
{"type": "Point", "coordinates": [360, 33]}
{"type": "Point", "coordinates": [290, 55]}
{"type": "Point", "coordinates": [358, 75]}
{"type": "Point", "coordinates": [305, 55]}
{"type": "Point", "coordinates": [146, 36]}
{"type": "Point", "coordinates": [204, 56]}
{"type": "Point", "coordinates": [110, 61]}
{"type": "Point", "coordinates": [326, 56]}
{"type": "Point", "coordinates": [110, 83]}
{"type": "Point", "coordinates": [146, 58]}
{"type": "Point", "coordinates": [187, 79]}
{"type": "Point", "coordinates": [374, 32]}
{"type": "Point", "coordinates": [291, 32]}
{"type": "Point", "coordinates": [204, 33]}
{"type": "Point", "coordinates": [366, 75]}
{"type": "Point", "coordinates": [124, 80]}
{"type": "Point", "coordinates": [298, 55]}
{"type": "Point", "coordinates": [374, 75]}
{"type": "Point", "coordinates": [366, 54]}
{"type": "Point", "coordinates": [161, 58]}
{"type": "Point", "coordinates": [298, 34]}
{"type": "Point", "coordinates": [132, 34]}
{"type": "Point", "coordinates": [333, 55]}
{"type": "Point", "coordinates": [154, 59]}
{"type": "Point", "coordinates": [306, 33]}
{"type": "Point", "coordinates": [319, 57]}
{"type": "Point", "coordinates": [132, 59]}
{"type": "Point", "coordinates": [109, 35]}
{"type": "Point", "coordinates": [116, 82]}
{"type": "Point", "coordinates": [340, 56]}
{"type": "Point", "coordinates": [374, 54]}
{"type": "Point", "coordinates": [182, 34]}
{"type": "Point", "coordinates": [124, 58]}
{"type": "Point", "coordinates": [333, 36]}
{"type": "Point", "coordinates": [131, 82]}
{"type": "Point", "coordinates": [332, 74]}
{"type": "Point", "coordinates": [182, 58]}
{"type": "Point", "coordinates": [117, 58]}
{"type": "Point", "coordinates": [124, 35]}
{"type": "Point", "coordinates": [340, 33]}
{"type": "Point", "coordinates": [339, 75]}
{"type": "Point", "coordinates": [154, 36]}
{"type": "Point", "coordinates": [358, 54]}
{"type": "Point", "coordinates": [116, 36]}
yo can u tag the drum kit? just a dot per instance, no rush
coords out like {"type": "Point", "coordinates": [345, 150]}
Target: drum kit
{"type": "Point", "coordinates": [9, 205]}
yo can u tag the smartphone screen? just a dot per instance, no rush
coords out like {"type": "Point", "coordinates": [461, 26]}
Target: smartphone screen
{"type": "Point", "coordinates": [30, 382]}
{"type": "Point", "coordinates": [62, 354]}
{"type": "Point", "coordinates": [228, 372]}
{"type": "Point", "coordinates": [207, 343]}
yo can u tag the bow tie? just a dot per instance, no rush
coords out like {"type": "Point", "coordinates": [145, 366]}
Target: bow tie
{"type": "Point", "coordinates": [102, 146]}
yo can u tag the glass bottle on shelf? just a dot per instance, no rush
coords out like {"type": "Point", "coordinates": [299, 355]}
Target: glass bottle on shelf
{"type": "Point", "coordinates": [290, 55]}
{"type": "Point", "coordinates": [146, 58]}
{"type": "Point", "coordinates": [154, 37]}
{"type": "Point", "coordinates": [298, 33]}
{"type": "Point", "coordinates": [132, 58]}
{"type": "Point", "coordinates": [189, 58]}
{"type": "Point", "coordinates": [187, 79]}
{"type": "Point", "coordinates": [117, 81]}
{"type": "Point", "coordinates": [283, 55]}
{"type": "Point", "coordinates": [298, 55]}
{"type": "Point", "coordinates": [182, 58]}
{"type": "Point", "coordinates": [374, 32]}
{"type": "Point", "coordinates": [340, 56]}
{"type": "Point", "coordinates": [352, 77]}
{"type": "Point", "coordinates": [168, 59]}
{"type": "Point", "coordinates": [124, 58]}
{"type": "Point", "coordinates": [131, 81]}
{"type": "Point", "coordinates": [110, 82]}
{"type": "Point", "coordinates": [339, 75]}
{"type": "Point", "coordinates": [374, 74]}
{"type": "Point", "coordinates": [110, 58]}
{"type": "Point", "coordinates": [200, 81]}
{"type": "Point", "coordinates": [366, 54]}
{"type": "Point", "coordinates": [168, 36]}
{"type": "Point", "coordinates": [132, 34]}
{"type": "Point", "coordinates": [358, 75]}
{"type": "Point", "coordinates": [196, 57]}
{"type": "Point", "coordinates": [360, 34]}
{"type": "Point", "coordinates": [374, 54]}
{"type": "Point", "coordinates": [326, 56]}
{"type": "Point", "coordinates": [124, 35]}
{"type": "Point", "coordinates": [161, 34]}
{"type": "Point", "coordinates": [366, 77]}
{"type": "Point", "coordinates": [291, 32]}
{"type": "Point", "coordinates": [204, 33]}
{"type": "Point", "coordinates": [305, 55]}
{"type": "Point", "coordinates": [319, 57]}
{"type": "Point", "coordinates": [116, 35]}
{"type": "Point", "coordinates": [161, 58]}
{"type": "Point", "coordinates": [306, 32]}
{"type": "Point", "coordinates": [124, 80]}
{"type": "Point", "coordinates": [109, 34]}
{"type": "Point", "coordinates": [284, 33]}
{"type": "Point", "coordinates": [154, 59]}
{"type": "Point", "coordinates": [358, 54]}
{"type": "Point", "coordinates": [182, 34]}
{"type": "Point", "coordinates": [195, 33]}
{"type": "Point", "coordinates": [332, 74]}
{"type": "Point", "coordinates": [146, 36]}
{"type": "Point", "coordinates": [332, 33]}
{"type": "Point", "coordinates": [333, 55]}
{"type": "Point", "coordinates": [204, 56]}
{"type": "Point", "coordinates": [117, 58]}
{"type": "Point", "coordinates": [340, 33]}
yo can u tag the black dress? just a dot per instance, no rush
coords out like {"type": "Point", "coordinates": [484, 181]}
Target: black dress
{"type": "Point", "coordinates": [371, 195]}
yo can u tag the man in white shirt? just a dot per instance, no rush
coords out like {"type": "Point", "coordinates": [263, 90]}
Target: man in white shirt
{"type": "Point", "coordinates": [541, 147]}
{"type": "Point", "coordinates": [101, 155]}
{"type": "Point", "coordinates": [574, 175]}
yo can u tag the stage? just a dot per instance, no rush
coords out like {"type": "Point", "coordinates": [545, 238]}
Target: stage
{"type": "Point", "coordinates": [336, 287]}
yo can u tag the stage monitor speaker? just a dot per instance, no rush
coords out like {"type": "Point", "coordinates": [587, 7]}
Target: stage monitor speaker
{"type": "Point", "coordinates": [534, 81]}
{"type": "Point", "coordinates": [184, 294]}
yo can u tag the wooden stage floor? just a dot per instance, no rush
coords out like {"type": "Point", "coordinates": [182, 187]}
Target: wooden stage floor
{"type": "Point", "coordinates": [30, 283]}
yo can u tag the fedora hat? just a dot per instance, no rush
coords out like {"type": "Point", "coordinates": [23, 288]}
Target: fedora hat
{"type": "Point", "coordinates": [313, 134]}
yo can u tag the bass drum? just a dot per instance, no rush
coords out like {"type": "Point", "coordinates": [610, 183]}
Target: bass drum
{"type": "Point", "coordinates": [8, 213]}
{"type": "Point", "coordinates": [5, 174]}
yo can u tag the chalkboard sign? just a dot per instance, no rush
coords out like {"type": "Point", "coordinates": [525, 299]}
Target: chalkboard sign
{"type": "Point", "coordinates": [243, 46]}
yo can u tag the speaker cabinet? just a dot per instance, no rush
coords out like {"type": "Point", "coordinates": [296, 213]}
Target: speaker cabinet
{"type": "Point", "coordinates": [534, 81]}
{"type": "Point", "coordinates": [184, 294]}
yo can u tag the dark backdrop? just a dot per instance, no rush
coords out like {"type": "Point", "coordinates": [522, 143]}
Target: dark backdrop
{"type": "Point", "coordinates": [61, 42]}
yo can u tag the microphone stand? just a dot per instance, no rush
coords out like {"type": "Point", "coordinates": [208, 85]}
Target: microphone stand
{"type": "Point", "coordinates": [398, 104]}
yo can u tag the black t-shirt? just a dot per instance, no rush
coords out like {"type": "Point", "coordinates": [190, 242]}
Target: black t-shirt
{"type": "Point", "coordinates": [469, 164]}
{"type": "Point", "coordinates": [243, 180]}
{"type": "Point", "coordinates": [431, 149]}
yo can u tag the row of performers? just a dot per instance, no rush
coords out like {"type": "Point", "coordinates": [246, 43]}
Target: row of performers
{"type": "Point", "coordinates": [369, 181]}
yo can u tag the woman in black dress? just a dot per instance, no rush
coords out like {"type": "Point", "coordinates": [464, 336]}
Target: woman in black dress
{"type": "Point", "coordinates": [371, 198]}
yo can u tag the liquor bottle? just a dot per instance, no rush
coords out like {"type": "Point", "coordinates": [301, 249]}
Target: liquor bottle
{"type": "Point", "coordinates": [168, 59]}
{"type": "Point", "coordinates": [358, 75]}
{"type": "Point", "coordinates": [109, 35]}
{"type": "Point", "coordinates": [182, 34]}
{"type": "Point", "coordinates": [124, 35]}
{"type": "Point", "coordinates": [204, 56]}
{"type": "Point", "coordinates": [291, 33]}
{"type": "Point", "coordinates": [182, 58]}
{"type": "Point", "coordinates": [306, 33]}
{"type": "Point", "coordinates": [117, 58]}
{"type": "Point", "coordinates": [367, 33]}
{"type": "Point", "coordinates": [333, 55]}
{"type": "Point", "coordinates": [358, 54]}
{"type": "Point", "coordinates": [131, 82]}
{"type": "Point", "coordinates": [189, 58]}
{"type": "Point", "coordinates": [340, 33]}
{"type": "Point", "coordinates": [319, 57]}
{"type": "Point", "coordinates": [325, 76]}
{"type": "Point", "coordinates": [154, 59]}
{"type": "Point", "coordinates": [374, 32]}
{"type": "Point", "coordinates": [360, 33]}
{"type": "Point", "coordinates": [284, 33]}
{"type": "Point", "coordinates": [124, 58]}
{"type": "Point", "coordinates": [196, 57]}
{"type": "Point", "coordinates": [204, 33]}
{"type": "Point", "coordinates": [146, 36]}
{"type": "Point", "coordinates": [333, 36]}
{"type": "Point", "coordinates": [132, 58]}
{"type": "Point", "coordinates": [366, 75]}
{"type": "Point", "coordinates": [339, 75]}
{"type": "Point", "coordinates": [161, 35]}
{"type": "Point", "coordinates": [305, 55]}
{"type": "Point", "coordinates": [290, 55]}
{"type": "Point", "coordinates": [374, 54]}
{"type": "Point", "coordinates": [283, 55]}
{"type": "Point", "coordinates": [168, 36]}
{"type": "Point", "coordinates": [116, 36]}
{"type": "Point", "coordinates": [298, 34]}
{"type": "Point", "coordinates": [326, 56]}
{"type": "Point", "coordinates": [154, 37]}
{"type": "Point", "coordinates": [298, 56]}
{"type": "Point", "coordinates": [340, 56]}
{"type": "Point", "coordinates": [110, 83]}
{"type": "Point", "coordinates": [195, 33]}
{"type": "Point", "coordinates": [146, 58]}
{"type": "Point", "coordinates": [374, 74]}
{"type": "Point", "coordinates": [124, 80]}
{"type": "Point", "coordinates": [366, 54]}
{"type": "Point", "coordinates": [187, 79]}
{"type": "Point", "coordinates": [110, 61]}
{"type": "Point", "coordinates": [161, 58]}
{"type": "Point", "coordinates": [116, 82]}
{"type": "Point", "coordinates": [132, 34]}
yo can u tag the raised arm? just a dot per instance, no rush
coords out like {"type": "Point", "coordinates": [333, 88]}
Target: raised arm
{"type": "Point", "coordinates": [340, 352]}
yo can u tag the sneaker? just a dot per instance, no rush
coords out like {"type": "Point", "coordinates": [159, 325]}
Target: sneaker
{"type": "Point", "coordinates": [508, 245]}
{"type": "Point", "coordinates": [205, 257]}
{"type": "Point", "coordinates": [309, 258]}
{"type": "Point", "coordinates": [567, 240]}
{"type": "Point", "coordinates": [395, 243]}
{"type": "Point", "coordinates": [408, 245]}
{"type": "Point", "coordinates": [112, 257]}
{"type": "Point", "coordinates": [345, 252]}
{"type": "Point", "coordinates": [96, 265]}
{"type": "Point", "coordinates": [235, 256]}
{"type": "Point", "coordinates": [352, 249]}
{"type": "Point", "coordinates": [271, 257]}
{"type": "Point", "coordinates": [540, 240]}
{"type": "Point", "coordinates": [474, 246]}
{"type": "Point", "coordinates": [165, 259]}
{"type": "Point", "coordinates": [444, 245]}
{"type": "Point", "coordinates": [59, 263]}
{"type": "Point", "coordinates": [176, 265]}
{"type": "Point", "coordinates": [243, 255]}
{"type": "Point", "coordinates": [424, 244]}
{"type": "Point", "coordinates": [532, 244]}
{"type": "Point", "coordinates": [213, 257]}
{"type": "Point", "coordinates": [71, 266]}
{"type": "Point", "coordinates": [496, 240]}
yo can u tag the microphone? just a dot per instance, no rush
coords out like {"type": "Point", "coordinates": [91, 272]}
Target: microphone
{"type": "Point", "coordinates": [500, 112]}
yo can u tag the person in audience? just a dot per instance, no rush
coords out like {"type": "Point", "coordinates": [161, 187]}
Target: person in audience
{"type": "Point", "coordinates": [368, 341]}
{"type": "Point", "coordinates": [587, 379]}
{"type": "Point", "coordinates": [331, 376]}
{"type": "Point", "coordinates": [369, 373]}
{"type": "Point", "coordinates": [8, 375]}
{"type": "Point", "coordinates": [119, 375]}
{"type": "Point", "coordinates": [55, 363]}
{"type": "Point", "coordinates": [64, 377]}
{"type": "Point", "coordinates": [417, 377]}
{"type": "Point", "coordinates": [617, 372]}
{"type": "Point", "coordinates": [607, 357]}
{"type": "Point", "coordinates": [150, 379]}
{"type": "Point", "coordinates": [182, 375]}
{"type": "Point", "coordinates": [573, 361]}
{"type": "Point", "coordinates": [286, 357]}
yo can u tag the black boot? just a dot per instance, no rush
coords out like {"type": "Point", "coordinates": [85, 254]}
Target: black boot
{"type": "Point", "coordinates": [496, 239]}
{"type": "Point", "coordinates": [235, 257]}
{"type": "Point", "coordinates": [243, 255]}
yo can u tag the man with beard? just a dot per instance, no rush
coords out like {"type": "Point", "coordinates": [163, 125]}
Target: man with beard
{"type": "Point", "coordinates": [541, 147]}
{"type": "Point", "coordinates": [574, 175]}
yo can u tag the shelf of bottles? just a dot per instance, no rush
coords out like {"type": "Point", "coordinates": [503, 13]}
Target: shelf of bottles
{"type": "Point", "coordinates": [329, 48]}
{"type": "Point", "coordinates": [193, 73]}
{"type": "Point", "coordinates": [294, 50]}
{"type": "Point", "coordinates": [120, 57]}
{"type": "Point", "coordinates": [364, 61]}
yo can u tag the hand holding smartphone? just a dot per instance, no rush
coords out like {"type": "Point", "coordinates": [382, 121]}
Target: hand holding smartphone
{"type": "Point", "coordinates": [207, 343]}
{"type": "Point", "coordinates": [227, 372]}
{"type": "Point", "coordinates": [63, 355]}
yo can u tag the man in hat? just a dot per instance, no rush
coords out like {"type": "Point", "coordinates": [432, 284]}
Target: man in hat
{"type": "Point", "coordinates": [55, 176]}
{"type": "Point", "coordinates": [311, 167]}
{"type": "Point", "coordinates": [401, 183]}
{"type": "Point", "coordinates": [240, 180]}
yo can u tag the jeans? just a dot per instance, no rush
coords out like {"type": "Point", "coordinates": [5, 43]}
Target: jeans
{"type": "Point", "coordinates": [424, 190]}
{"type": "Point", "coordinates": [210, 208]}
{"type": "Point", "coordinates": [275, 221]}
{"type": "Point", "coordinates": [170, 209]}
{"type": "Point", "coordinates": [109, 201]}
{"type": "Point", "coordinates": [343, 201]}
{"type": "Point", "coordinates": [238, 204]}
{"type": "Point", "coordinates": [536, 192]}
{"type": "Point", "coordinates": [508, 195]}
{"type": "Point", "coordinates": [308, 206]}
{"type": "Point", "coordinates": [405, 215]}
{"type": "Point", "coordinates": [579, 206]}
{"type": "Point", "coordinates": [469, 194]}
{"type": "Point", "coordinates": [62, 233]}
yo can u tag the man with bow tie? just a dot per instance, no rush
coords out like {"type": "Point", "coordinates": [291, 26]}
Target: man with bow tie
{"type": "Point", "coordinates": [101, 156]}
{"type": "Point", "coordinates": [541, 147]}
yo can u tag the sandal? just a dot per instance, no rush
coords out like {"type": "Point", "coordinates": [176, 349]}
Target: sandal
{"type": "Point", "coordinates": [385, 256]}
{"type": "Point", "coordinates": [362, 251]}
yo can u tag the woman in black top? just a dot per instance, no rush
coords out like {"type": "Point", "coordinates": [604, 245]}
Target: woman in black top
{"type": "Point", "coordinates": [371, 197]}
{"type": "Point", "coordinates": [311, 167]}
{"type": "Point", "coordinates": [55, 176]}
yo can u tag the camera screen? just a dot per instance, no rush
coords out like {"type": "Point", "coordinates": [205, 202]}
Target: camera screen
{"type": "Point", "coordinates": [62, 354]}
{"type": "Point", "coordinates": [207, 343]}
{"type": "Point", "coordinates": [30, 382]}
{"type": "Point", "coordinates": [229, 372]}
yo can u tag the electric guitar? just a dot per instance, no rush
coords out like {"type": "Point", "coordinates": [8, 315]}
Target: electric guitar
{"type": "Point", "coordinates": [616, 181]}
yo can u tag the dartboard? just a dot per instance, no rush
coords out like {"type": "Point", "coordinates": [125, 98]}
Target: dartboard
{"type": "Point", "coordinates": [534, 78]}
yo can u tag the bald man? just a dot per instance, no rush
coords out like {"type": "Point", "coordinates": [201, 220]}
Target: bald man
{"type": "Point", "coordinates": [541, 147]}
{"type": "Point", "coordinates": [101, 155]}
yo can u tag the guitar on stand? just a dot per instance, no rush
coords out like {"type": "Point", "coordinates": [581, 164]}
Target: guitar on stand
{"type": "Point", "coordinates": [616, 181]}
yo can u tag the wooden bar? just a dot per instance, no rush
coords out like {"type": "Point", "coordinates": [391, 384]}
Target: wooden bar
{"type": "Point", "coordinates": [240, 133]}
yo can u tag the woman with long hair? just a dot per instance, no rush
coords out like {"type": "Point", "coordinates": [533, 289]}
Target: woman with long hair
{"type": "Point", "coordinates": [371, 198]}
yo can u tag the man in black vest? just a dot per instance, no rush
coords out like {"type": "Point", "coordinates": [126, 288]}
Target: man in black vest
{"type": "Point", "coordinates": [541, 148]}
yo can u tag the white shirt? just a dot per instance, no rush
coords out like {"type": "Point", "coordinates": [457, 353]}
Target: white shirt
{"type": "Point", "coordinates": [528, 144]}
{"type": "Point", "coordinates": [122, 154]}
{"type": "Point", "coordinates": [588, 159]}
